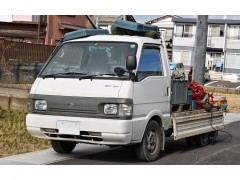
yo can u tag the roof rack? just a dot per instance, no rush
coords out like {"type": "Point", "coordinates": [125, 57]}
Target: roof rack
{"type": "Point", "coordinates": [84, 33]}
{"type": "Point", "coordinates": [121, 27]}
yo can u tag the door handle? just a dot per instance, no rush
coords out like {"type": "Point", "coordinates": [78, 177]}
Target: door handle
{"type": "Point", "coordinates": [168, 91]}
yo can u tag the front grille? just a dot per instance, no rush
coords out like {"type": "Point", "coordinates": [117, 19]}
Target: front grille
{"type": "Point", "coordinates": [73, 111]}
{"type": "Point", "coordinates": [84, 135]}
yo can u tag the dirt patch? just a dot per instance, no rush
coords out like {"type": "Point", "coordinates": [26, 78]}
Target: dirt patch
{"type": "Point", "coordinates": [233, 102]}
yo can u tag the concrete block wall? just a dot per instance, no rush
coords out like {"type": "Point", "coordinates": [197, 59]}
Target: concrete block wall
{"type": "Point", "coordinates": [14, 96]}
{"type": "Point", "coordinates": [18, 73]}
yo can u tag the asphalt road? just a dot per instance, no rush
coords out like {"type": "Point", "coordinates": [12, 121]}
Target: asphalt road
{"type": "Point", "coordinates": [226, 150]}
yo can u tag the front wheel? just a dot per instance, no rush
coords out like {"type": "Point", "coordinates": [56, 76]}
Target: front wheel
{"type": "Point", "coordinates": [63, 146]}
{"type": "Point", "coordinates": [149, 148]}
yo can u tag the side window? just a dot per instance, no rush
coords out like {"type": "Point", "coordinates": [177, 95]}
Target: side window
{"type": "Point", "coordinates": [150, 63]}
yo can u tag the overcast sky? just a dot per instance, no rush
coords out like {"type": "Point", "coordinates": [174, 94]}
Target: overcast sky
{"type": "Point", "coordinates": [144, 18]}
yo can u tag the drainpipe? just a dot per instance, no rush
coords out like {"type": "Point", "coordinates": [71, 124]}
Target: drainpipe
{"type": "Point", "coordinates": [224, 47]}
{"type": "Point", "coordinates": [39, 22]}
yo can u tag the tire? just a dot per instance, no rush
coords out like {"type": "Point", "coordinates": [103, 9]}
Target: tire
{"type": "Point", "coordinates": [213, 136]}
{"type": "Point", "coordinates": [202, 139]}
{"type": "Point", "coordinates": [190, 141]}
{"type": "Point", "coordinates": [63, 146]}
{"type": "Point", "coordinates": [149, 148]}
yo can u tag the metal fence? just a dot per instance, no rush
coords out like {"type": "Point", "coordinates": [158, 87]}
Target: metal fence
{"type": "Point", "coordinates": [20, 51]}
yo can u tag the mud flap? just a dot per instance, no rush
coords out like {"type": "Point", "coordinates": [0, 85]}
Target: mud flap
{"type": "Point", "coordinates": [162, 138]}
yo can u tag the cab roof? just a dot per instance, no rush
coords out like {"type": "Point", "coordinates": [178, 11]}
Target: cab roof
{"type": "Point", "coordinates": [118, 38]}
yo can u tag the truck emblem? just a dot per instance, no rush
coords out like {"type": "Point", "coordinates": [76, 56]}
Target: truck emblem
{"type": "Point", "coordinates": [71, 105]}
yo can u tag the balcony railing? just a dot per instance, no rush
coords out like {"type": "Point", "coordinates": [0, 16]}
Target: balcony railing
{"type": "Point", "coordinates": [233, 37]}
{"type": "Point", "coordinates": [184, 35]}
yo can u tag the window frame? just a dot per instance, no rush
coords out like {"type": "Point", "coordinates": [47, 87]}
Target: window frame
{"type": "Point", "coordinates": [235, 59]}
{"type": "Point", "coordinates": [181, 57]}
{"type": "Point", "coordinates": [183, 33]}
{"type": "Point", "coordinates": [233, 37]}
{"type": "Point", "coordinates": [154, 46]}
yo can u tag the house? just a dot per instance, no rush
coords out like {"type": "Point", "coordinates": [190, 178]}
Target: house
{"type": "Point", "coordinates": [106, 21]}
{"type": "Point", "coordinates": [42, 29]}
{"type": "Point", "coordinates": [223, 43]}
{"type": "Point", "coordinates": [166, 27]}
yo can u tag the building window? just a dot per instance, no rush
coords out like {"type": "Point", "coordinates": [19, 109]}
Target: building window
{"type": "Point", "coordinates": [168, 34]}
{"type": "Point", "coordinates": [233, 60]}
{"type": "Point", "coordinates": [233, 32]}
{"type": "Point", "coordinates": [184, 30]}
{"type": "Point", "coordinates": [35, 18]}
{"type": "Point", "coordinates": [182, 57]}
{"type": "Point", "coordinates": [216, 30]}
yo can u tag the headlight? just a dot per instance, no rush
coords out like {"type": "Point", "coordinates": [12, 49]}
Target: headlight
{"type": "Point", "coordinates": [40, 105]}
{"type": "Point", "coordinates": [110, 109]}
{"type": "Point", "coordinates": [118, 109]}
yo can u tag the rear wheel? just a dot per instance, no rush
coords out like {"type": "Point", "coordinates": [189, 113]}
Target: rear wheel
{"type": "Point", "coordinates": [213, 136]}
{"type": "Point", "coordinates": [63, 146]}
{"type": "Point", "coordinates": [202, 139]}
{"type": "Point", "coordinates": [149, 148]}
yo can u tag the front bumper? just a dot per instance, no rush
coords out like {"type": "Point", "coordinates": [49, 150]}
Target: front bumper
{"type": "Point", "coordinates": [93, 130]}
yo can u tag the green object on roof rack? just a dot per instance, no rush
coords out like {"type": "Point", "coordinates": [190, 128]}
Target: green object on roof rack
{"type": "Point", "coordinates": [121, 27]}
{"type": "Point", "coordinates": [84, 33]}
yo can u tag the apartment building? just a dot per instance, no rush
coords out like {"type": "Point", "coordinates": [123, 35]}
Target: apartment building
{"type": "Point", "coordinates": [223, 43]}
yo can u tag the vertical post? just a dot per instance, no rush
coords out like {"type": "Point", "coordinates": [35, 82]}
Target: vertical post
{"type": "Point", "coordinates": [9, 102]}
{"type": "Point", "coordinates": [224, 47]}
{"type": "Point", "coordinates": [39, 21]}
{"type": "Point", "coordinates": [200, 49]}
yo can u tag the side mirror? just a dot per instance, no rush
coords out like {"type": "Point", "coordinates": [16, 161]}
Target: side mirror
{"type": "Point", "coordinates": [131, 63]}
{"type": "Point", "coordinates": [39, 67]}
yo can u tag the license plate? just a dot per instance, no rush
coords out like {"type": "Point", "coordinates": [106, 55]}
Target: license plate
{"type": "Point", "coordinates": [68, 127]}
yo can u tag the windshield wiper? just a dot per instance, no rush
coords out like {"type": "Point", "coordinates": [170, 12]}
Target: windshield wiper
{"type": "Point", "coordinates": [99, 75]}
{"type": "Point", "coordinates": [60, 74]}
{"type": "Point", "coordinates": [73, 73]}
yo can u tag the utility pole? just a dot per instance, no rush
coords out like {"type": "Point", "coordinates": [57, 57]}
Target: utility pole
{"type": "Point", "coordinates": [200, 49]}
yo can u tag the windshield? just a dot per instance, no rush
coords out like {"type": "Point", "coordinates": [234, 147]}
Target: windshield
{"type": "Point", "coordinates": [89, 58]}
{"type": "Point", "coordinates": [172, 66]}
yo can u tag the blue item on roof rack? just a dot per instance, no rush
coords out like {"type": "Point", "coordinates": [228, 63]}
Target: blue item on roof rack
{"type": "Point", "coordinates": [121, 27]}
{"type": "Point", "coordinates": [135, 26]}
{"type": "Point", "coordinates": [84, 33]}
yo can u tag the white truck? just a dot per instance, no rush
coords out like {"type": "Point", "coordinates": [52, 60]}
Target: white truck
{"type": "Point", "coordinates": [115, 90]}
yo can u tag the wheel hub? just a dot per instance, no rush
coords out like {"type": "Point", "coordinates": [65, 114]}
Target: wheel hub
{"type": "Point", "coordinates": [151, 141]}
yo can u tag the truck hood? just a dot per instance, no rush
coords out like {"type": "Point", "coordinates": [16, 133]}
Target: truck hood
{"type": "Point", "coordinates": [76, 87]}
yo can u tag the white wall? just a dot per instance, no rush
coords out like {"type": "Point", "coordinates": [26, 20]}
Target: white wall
{"type": "Point", "coordinates": [233, 44]}
{"type": "Point", "coordinates": [180, 41]}
{"type": "Point", "coordinates": [6, 18]}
